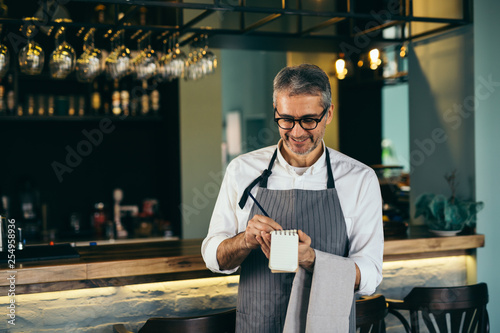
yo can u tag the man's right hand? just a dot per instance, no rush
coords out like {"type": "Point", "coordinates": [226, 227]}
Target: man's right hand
{"type": "Point", "coordinates": [255, 226]}
{"type": "Point", "coordinates": [232, 251]}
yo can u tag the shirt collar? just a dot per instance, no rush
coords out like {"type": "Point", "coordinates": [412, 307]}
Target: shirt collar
{"type": "Point", "coordinates": [312, 170]}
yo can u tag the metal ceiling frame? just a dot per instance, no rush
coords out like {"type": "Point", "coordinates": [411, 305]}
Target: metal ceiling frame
{"type": "Point", "coordinates": [249, 36]}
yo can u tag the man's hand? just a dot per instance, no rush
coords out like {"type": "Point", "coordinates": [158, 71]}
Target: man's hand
{"type": "Point", "coordinates": [232, 251]}
{"type": "Point", "coordinates": [258, 226]}
{"type": "Point", "coordinates": [307, 256]}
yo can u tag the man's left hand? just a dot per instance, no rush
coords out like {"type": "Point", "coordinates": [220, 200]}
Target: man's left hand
{"type": "Point", "coordinates": [307, 256]}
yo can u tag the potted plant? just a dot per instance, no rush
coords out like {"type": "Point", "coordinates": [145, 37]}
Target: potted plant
{"type": "Point", "coordinates": [447, 216]}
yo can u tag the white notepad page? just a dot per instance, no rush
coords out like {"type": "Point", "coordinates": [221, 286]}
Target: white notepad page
{"type": "Point", "coordinates": [284, 257]}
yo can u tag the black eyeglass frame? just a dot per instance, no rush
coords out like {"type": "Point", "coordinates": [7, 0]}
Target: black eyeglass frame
{"type": "Point", "coordinates": [300, 120]}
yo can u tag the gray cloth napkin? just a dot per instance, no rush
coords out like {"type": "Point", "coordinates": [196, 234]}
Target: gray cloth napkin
{"type": "Point", "coordinates": [321, 301]}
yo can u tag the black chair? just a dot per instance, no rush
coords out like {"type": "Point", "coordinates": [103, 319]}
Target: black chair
{"type": "Point", "coordinates": [454, 309]}
{"type": "Point", "coordinates": [222, 322]}
{"type": "Point", "coordinates": [370, 314]}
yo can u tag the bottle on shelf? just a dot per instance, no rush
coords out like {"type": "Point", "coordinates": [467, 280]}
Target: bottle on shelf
{"type": "Point", "coordinates": [95, 99]}
{"type": "Point", "coordinates": [3, 108]}
{"type": "Point", "coordinates": [100, 11]}
{"type": "Point", "coordinates": [99, 219]}
{"type": "Point", "coordinates": [41, 105]}
{"type": "Point", "coordinates": [125, 99]}
{"type": "Point", "coordinates": [31, 105]}
{"type": "Point", "coordinates": [155, 101]}
{"type": "Point", "coordinates": [134, 103]}
{"type": "Point", "coordinates": [143, 15]}
{"type": "Point", "coordinates": [115, 99]}
{"type": "Point", "coordinates": [121, 232]}
{"type": "Point", "coordinates": [10, 96]}
{"type": "Point", "coordinates": [71, 109]}
{"type": "Point", "coordinates": [81, 105]}
{"type": "Point", "coordinates": [30, 217]}
{"type": "Point", "coordinates": [4, 215]}
{"type": "Point", "coordinates": [145, 98]}
{"type": "Point", "coordinates": [50, 105]}
{"type": "Point", "coordinates": [106, 97]}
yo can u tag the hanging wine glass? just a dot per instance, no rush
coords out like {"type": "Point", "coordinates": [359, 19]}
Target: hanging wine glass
{"type": "Point", "coordinates": [164, 68]}
{"type": "Point", "coordinates": [111, 59]}
{"type": "Point", "coordinates": [148, 65]}
{"type": "Point", "coordinates": [88, 65]}
{"type": "Point", "coordinates": [178, 63]}
{"type": "Point", "coordinates": [134, 63]}
{"type": "Point", "coordinates": [209, 60]}
{"type": "Point", "coordinates": [63, 58]}
{"type": "Point", "coordinates": [31, 57]}
{"type": "Point", "coordinates": [4, 60]}
{"type": "Point", "coordinates": [193, 63]}
{"type": "Point", "coordinates": [118, 62]}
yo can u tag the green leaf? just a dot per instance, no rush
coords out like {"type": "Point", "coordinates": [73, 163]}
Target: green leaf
{"type": "Point", "coordinates": [422, 205]}
{"type": "Point", "coordinates": [437, 206]}
{"type": "Point", "coordinates": [455, 215]}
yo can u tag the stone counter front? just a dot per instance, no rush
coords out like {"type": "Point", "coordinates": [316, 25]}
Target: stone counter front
{"type": "Point", "coordinates": [129, 284]}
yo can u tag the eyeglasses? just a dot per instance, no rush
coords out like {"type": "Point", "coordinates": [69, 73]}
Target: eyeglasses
{"type": "Point", "coordinates": [306, 123]}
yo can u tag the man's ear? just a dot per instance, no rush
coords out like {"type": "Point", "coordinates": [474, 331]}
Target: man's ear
{"type": "Point", "coordinates": [330, 114]}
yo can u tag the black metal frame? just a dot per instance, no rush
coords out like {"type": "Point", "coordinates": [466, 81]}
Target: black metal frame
{"type": "Point", "coordinates": [250, 36]}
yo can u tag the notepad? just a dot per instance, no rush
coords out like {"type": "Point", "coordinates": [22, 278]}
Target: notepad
{"type": "Point", "coordinates": [284, 257]}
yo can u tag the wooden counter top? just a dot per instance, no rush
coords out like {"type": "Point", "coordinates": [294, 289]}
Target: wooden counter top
{"type": "Point", "coordinates": [122, 264]}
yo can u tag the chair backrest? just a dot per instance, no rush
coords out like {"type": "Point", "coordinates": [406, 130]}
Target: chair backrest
{"type": "Point", "coordinates": [222, 322]}
{"type": "Point", "coordinates": [370, 314]}
{"type": "Point", "coordinates": [453, 309]}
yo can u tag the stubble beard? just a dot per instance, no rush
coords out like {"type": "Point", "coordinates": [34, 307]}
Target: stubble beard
{"type": "Point", "coordinates": [301, 153]}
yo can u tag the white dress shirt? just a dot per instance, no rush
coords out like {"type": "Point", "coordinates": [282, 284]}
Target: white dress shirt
{"type": "Point", "coordinates": [357, 187]}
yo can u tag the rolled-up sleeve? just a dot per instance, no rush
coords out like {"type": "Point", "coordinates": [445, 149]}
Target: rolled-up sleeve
{"type": "Point", "coordinates": [367, 235]}
{"type": "Point", "coordinates": [223, 224]}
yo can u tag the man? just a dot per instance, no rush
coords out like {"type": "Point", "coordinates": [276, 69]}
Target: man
{"type": "Point", "coordinates": [333, 200]}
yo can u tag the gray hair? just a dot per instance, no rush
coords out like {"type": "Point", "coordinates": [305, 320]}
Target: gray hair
{"type": "Point", "coordinates": [305, 79]}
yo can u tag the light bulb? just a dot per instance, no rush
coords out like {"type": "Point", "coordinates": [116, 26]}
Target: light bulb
{"type": "Point", "coordinates": [340, 69]}
{"type": "Point", "coordinates": [375, 61]}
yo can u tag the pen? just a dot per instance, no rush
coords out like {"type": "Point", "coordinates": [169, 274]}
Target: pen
{"type": "Point", "coordinates": [258, 204]}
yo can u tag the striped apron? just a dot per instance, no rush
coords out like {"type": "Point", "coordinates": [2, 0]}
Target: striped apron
{"type": "Point", "coordinates": [263, 296]}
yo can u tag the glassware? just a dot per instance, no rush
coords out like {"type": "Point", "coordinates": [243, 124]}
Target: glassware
{"type": "Point", "coordinates": [209, 59]}
{"type": "Point", "coordinates": [118, 62]}
{"type": "Point", "coordinates": [178, 63]}
{"type": "Point", "coordinates": [201, 61]}
{"type": "Point", "coordinates": [4, 60]}
{"type": "Point", "coordinates": [193, 66]}
{"type": "Point", "coordinates": [146, 63]}
{"type": "Point", "coordinates": [164, 68]}
{"type": "Point", "coordinates": [31, 57]}
{"type": "Point", "coordinates": [63, 58]}
{"type": "Point", "coordinates": [88, 65]}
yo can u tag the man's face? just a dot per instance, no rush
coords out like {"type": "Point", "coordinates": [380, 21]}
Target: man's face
{"type": "Point", "coordinates": [297, 140]}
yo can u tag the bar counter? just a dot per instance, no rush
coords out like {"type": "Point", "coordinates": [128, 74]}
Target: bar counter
{"type": "Point", "coordinates": [125, 264]}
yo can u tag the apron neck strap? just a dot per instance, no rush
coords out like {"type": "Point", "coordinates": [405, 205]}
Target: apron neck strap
{"type": "Point", "coordinates": [266, 173]}
{"type": "Point", "coordinates": [330, 182]}
{"type": "Point", "coordinates": [262, 179]}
